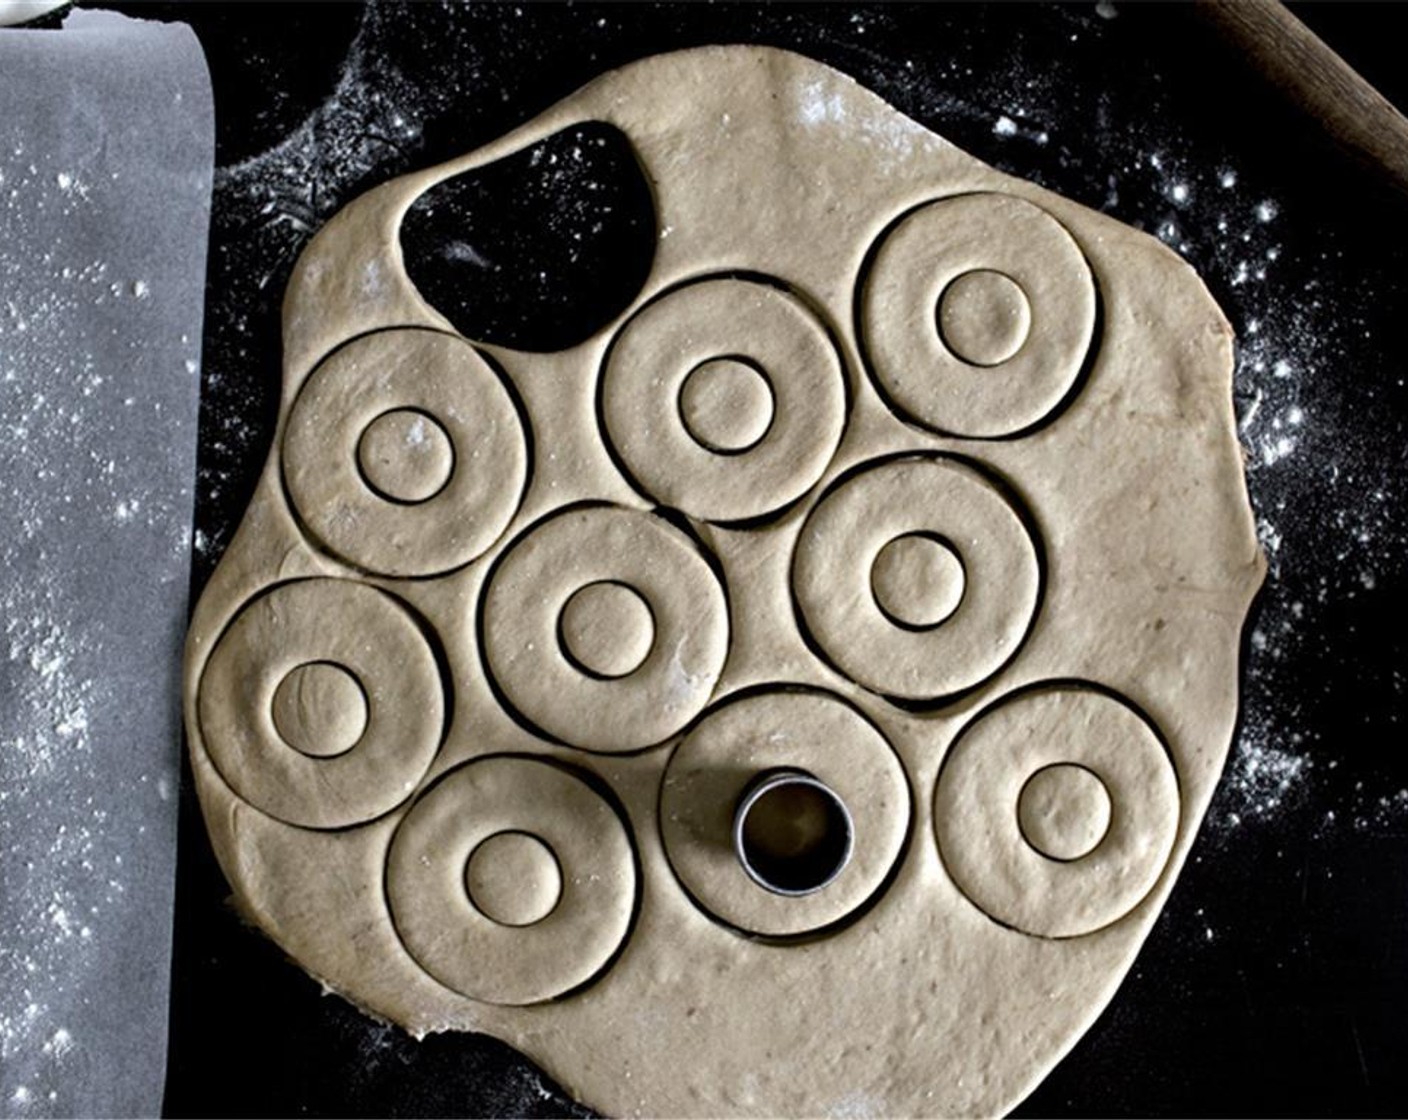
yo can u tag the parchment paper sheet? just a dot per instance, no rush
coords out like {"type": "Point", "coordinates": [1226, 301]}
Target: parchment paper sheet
{"type": "Point", "coordinates": [106, 155]}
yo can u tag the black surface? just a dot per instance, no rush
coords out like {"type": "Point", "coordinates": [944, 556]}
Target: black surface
{"type": "Point", "coordinates": [1273, 983]}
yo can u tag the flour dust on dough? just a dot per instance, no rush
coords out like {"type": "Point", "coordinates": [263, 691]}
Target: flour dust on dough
{"type": "Point", "coordinates": [797, 698]}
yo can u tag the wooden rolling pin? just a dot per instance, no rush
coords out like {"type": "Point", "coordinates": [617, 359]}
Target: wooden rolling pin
{"type": "Point", "coordinates": [1304, 69]}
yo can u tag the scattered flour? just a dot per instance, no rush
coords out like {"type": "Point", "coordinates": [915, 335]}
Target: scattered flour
{"type": "Point", "coordinates": [892, 138]}
{"type": "Point", "coordinates": [1317, 498]}
{"type": "Point", "coordinates": [64, 891]}
{"type": "Point", "coordinates": [1328, 501]}
{"type": "Point", "coordinates": [1215, 213]}
{"type": "Point", "coordinates": [275, 201]}
{"type": "Point", "coordinates": [47, 880]}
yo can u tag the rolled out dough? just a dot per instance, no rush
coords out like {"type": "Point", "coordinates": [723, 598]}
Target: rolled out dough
{"type": "Point", "coordinates": [900, 473]}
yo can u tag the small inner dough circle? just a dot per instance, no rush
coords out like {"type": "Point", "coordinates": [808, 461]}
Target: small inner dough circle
{"type": "Point", "coordinates": [1064, 811]}
{"type": "Point", "coordinates": [984, 317]}
{"type": "Point", "coordinates": [607, 629]}
{"type": "Point", "coordinates": [406, 455]}
{"type": "Point", "coordinates": [917, 580]}
{"type": "Point", "coordinates": [513, 879]}
{"type": "Point", "coordinates": [727, 405]}
{"type": "Point", "coordinates": [320, 709]}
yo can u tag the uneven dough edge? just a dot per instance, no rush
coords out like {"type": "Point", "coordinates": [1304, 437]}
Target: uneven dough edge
{"type": "Point", "coordinates": [269, 546]}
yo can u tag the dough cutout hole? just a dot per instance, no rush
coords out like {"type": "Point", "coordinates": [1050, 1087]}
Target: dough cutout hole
{"type": "Point", "coordinates": [539, 250]}
{"type": "Point", "coordinates": [1064, 811]}
{"type": "Point", "coordinates": [320, 709]}
{"type": "Point", "coordinates": [406, 456]}
{"type": "Point", "coordinates": [606, 629]}
{"type": "Point", "coordinates": [792, 834]}
{"type": "Point", "coordinates": [513, 878]}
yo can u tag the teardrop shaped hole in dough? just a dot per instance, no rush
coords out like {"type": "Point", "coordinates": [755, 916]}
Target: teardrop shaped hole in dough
{"type": "Point", "coordinates": [541, 249]}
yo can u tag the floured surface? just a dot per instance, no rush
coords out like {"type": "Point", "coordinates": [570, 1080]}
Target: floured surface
{"type": "Point", "coordinates": [1119, 509]}
{"type": "Point", "coordinates": [102, 269]}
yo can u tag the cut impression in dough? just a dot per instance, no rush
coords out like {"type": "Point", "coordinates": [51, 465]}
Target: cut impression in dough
{"type": "Point", "coordinates": [978, 313]}
{"type": "Point", "coordinates": [404, 454]}
{"type": "Point", "coordinates": [605, 627]}
{"type": "Point", "coordinates": [713, 774]}
{"type": "Point", "coordinates": [796, 698]}
{"type": "Point", "coordinates": [1056, 811]}
{"type": "Point", "coordinates": [683, 371]}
